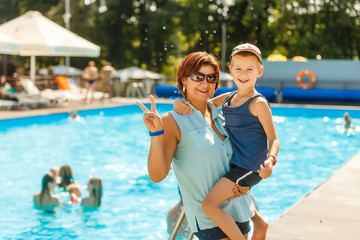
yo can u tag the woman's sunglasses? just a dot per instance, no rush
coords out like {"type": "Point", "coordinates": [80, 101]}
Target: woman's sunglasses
{"type": "Point", "coordinates": [199, 77]}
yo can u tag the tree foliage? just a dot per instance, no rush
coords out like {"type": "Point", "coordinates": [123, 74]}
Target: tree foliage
{"type": "Point", "coordinates": [156, 34]}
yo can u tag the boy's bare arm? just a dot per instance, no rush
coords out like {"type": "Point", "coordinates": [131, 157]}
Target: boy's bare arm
{"type": "Point", "coordinates": [218, 100]}
{"type": "Point", "coordinates": [261, 109]}
{"type": "Point", "coordinates": [181, 106]}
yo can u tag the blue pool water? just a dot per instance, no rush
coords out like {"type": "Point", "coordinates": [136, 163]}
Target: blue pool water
{"type": "Point", "coordinates": [113, 144]}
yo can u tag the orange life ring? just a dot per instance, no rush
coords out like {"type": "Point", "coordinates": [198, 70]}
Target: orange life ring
{"type": "Point", "coordinates": [301, 74]}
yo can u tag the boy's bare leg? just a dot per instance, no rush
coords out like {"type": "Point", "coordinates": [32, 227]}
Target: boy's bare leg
{"type": "Point", "coordinates": [260, 226]}
{"type": "Point", "coordinates": [86, 91]}
{"type": "Point", "coordinates": [222, 190]}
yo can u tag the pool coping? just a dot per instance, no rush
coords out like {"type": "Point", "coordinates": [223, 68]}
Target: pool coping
{"type": "Point", "coordinates": [119, 101]}
{"type": "Point", "coordinates": [330, 211]}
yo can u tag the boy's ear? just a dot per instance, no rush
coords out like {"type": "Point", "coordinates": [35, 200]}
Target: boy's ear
{"type": "Point", "coordinates": [230, 69]}
{"type": "Point", "coordinates": [261, 70]}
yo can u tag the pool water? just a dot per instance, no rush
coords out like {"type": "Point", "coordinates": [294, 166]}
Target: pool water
{"type": "Point", "coordinates": [113, 144]}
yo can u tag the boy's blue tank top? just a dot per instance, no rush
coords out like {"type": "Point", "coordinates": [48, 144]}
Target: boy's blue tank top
{"type": "Point", "coordinates": [247, 135]}
{"type": "Point", "coordinates": [200, 160]}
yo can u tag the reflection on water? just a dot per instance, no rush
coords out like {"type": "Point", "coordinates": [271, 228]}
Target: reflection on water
{"type": "Point", "coordinates": [114, 146]}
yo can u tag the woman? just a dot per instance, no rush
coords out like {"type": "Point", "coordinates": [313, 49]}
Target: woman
{"type": "Point", "coordinates": [94, 186]}
{"type": "Point", "coordinates": [197, 146]}
{"type": "Point", "coordinates": [66, 174]}
{"type": "Point", "coordinates": [44, 200]}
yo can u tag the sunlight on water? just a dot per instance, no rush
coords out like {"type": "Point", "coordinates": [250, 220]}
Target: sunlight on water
{"type": "Point", "coordinates": [113, 144]}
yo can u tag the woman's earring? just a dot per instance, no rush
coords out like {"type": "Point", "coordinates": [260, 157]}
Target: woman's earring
{"type": "Point", "coordinates": [183, 89]}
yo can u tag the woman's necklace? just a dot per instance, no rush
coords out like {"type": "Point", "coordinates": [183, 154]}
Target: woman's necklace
{"type": "Point", "coordinates": [242, 96]}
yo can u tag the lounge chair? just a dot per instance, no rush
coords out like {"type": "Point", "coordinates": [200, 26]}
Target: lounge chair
{"type": "Point", "coordinates": [45, 98]}
{"type": "Point", "coordinates": [74, 90]}
{"type": "Point", "coordinates": [7, 104]}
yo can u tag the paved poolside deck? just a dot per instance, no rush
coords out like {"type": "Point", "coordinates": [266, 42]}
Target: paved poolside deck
{"type": "Point", "coordinates": [331, 211]}
{"type": "Point", "coordinates": [70, 107]}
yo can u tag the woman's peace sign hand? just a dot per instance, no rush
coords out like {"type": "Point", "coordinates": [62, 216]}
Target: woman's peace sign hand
{"type": "Point", "coordinates": [151, 118]}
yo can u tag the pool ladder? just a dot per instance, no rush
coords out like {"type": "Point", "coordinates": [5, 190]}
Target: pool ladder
{"type": "Point", "coordinates": [135, 88]}
{"type": "Point", "coordinates": [177, 226]}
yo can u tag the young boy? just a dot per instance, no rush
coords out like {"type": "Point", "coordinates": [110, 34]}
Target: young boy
{"type": "Point", "coordinates": [249, 122]}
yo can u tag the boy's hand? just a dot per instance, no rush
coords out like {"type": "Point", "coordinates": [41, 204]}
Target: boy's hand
{"type": "Point", "coordinates": [266, 170]}
{"type": "Point", "coordinates": [239, 191]}
{"type": "Point", "coordinates": [181, 107]}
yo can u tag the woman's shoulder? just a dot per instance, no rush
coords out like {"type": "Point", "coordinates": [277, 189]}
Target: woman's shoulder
{"type": "Point", "coordinates": [85, 201]}
{"type": "Point", "coordinates": [55, 200]}
{"type": "Point", "coordinates": [36, 199]}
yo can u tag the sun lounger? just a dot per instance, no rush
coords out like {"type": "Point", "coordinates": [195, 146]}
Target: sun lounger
{"type": "Point", "coordinates": [7, 104]}
{"type": "Point", "coordinates": [74, 90]}
{"type": "Point", "coordinates": [36, 98]}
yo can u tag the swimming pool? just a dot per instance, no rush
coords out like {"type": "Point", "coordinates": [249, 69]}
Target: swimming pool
{"type": "Point", "coordinates": [112, 143]}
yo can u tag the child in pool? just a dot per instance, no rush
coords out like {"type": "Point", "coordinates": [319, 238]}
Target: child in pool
{"type": "Point", "coordinates": [55, 172]}
{"type": "Point", "coordinates": [74, 192]}
{"type": "Point", "coordinates": [249, 122]}
{"type": "Point", "coordinates": [347, 121]}
{"type": "Point", "coordinates": [44, 200]}
{"type": "Point", "coordinates": [94, 186]}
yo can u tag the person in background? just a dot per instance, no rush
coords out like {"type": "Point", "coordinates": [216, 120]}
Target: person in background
{"type": "Point", "coordinates": [347, 121]}
{"type": "Point", "coordinates": [74, 191]}
{"type": "Point", "coordinates": [95, 189]}
{"type": "Point", "coordinates": [91, 75]}
{"type": "Point", "coordinates": [44, 200]}
{"type": "Point", "coordinates": [55, 172]}
{"type": "Point", "coordinates": [197, 147]}
{"type": "Point", "coordinates": [66, 174]}
{"type": "Point", "coordinates": [74, 115]}
{"type": "Point", "coordinates": [107, 73]}
{"type": "Point", "coordinates": [4, 95]}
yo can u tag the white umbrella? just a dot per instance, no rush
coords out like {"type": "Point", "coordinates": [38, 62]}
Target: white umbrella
{"type": "Point", "coordinates": [138, 73]}
{"type": "Point", "coordinates": [62, 70]}
{"type": "Point", "coordinates": [39, 36]}
{"type": "Point", "coordinates": [224, 76]}
{"type": "Point", "coordinates": [147, 77]}
{"type": "Point", "coordinates": [8, 45]}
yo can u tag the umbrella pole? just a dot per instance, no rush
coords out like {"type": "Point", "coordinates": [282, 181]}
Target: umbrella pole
{"type": "Point", "coordinates": [32, 68]}
{"type": "Point", "coordinates": [4, 65]}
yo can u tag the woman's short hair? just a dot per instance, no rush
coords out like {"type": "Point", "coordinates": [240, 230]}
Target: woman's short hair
{"type": "Point", "coordinates": [192, 63]}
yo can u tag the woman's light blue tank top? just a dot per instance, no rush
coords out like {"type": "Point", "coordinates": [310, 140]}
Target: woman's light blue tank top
{"type": "Point", "coordinates": [200, 160]}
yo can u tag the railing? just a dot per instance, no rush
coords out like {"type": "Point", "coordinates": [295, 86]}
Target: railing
{"type": "Point", "coordinates": [179, 222]}
{"type": "Point", "coordinates": [135, 88]}
{"type": "Point", "coordinates": [181, 218]}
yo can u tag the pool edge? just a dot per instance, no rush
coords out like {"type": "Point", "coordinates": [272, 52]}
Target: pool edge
{"type": "Point", "coordinates": [330, 211]}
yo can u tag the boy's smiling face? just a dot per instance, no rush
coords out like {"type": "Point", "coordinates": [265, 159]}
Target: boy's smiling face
{"type": "Point", "coordinates": [245, 69]}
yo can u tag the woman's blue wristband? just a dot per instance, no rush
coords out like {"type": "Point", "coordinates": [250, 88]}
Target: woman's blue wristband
{"type": "Point", "coordinates": [153, 134]}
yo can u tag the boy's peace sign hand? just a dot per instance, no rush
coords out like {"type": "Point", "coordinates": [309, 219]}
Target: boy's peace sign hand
{"type": "Point", "coordinates": [151, 118]}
